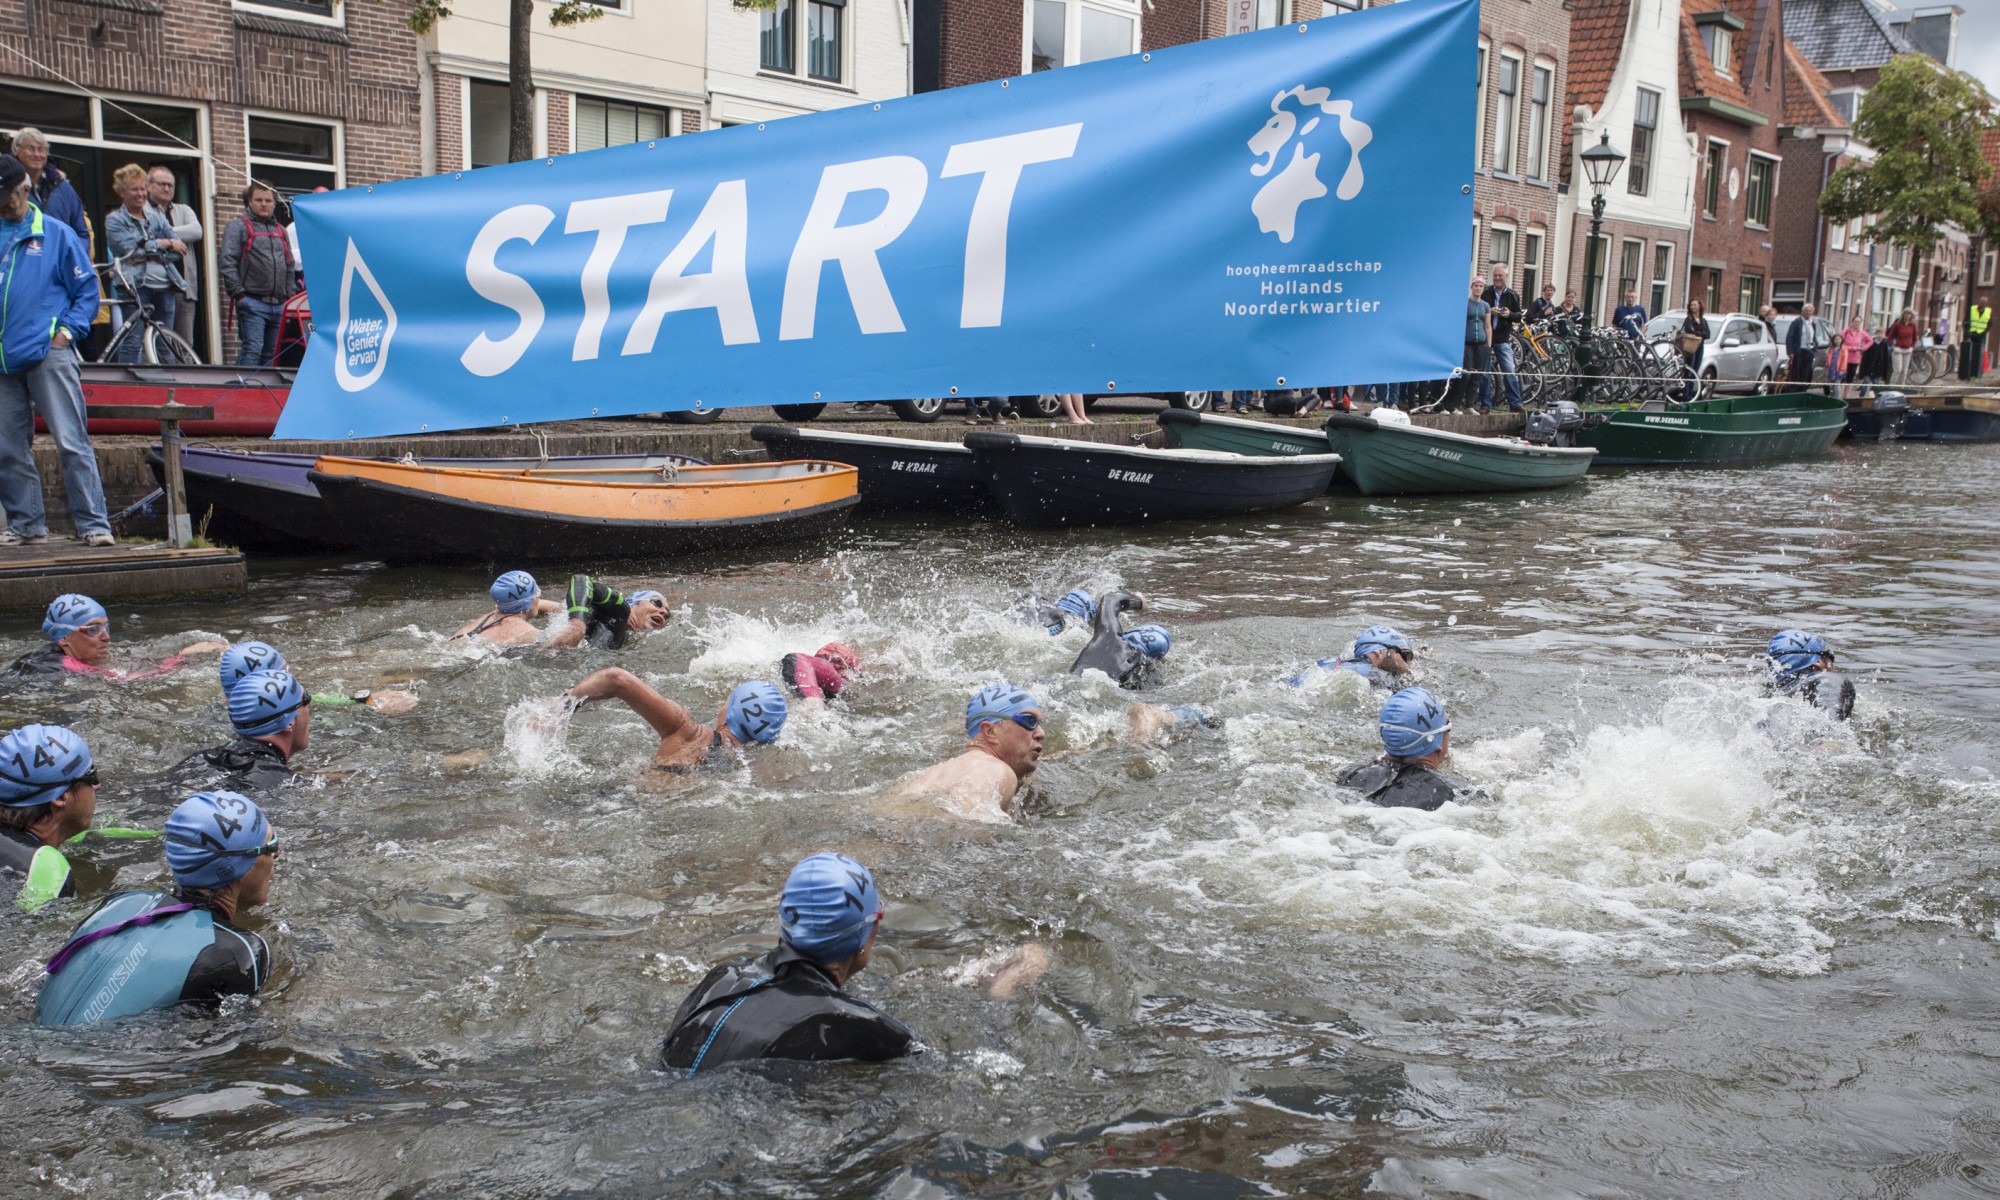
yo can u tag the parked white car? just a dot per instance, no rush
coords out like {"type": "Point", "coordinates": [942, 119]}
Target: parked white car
{"type": "Point", "coordinates": [1739, 355]}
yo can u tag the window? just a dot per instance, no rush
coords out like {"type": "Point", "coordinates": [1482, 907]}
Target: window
{"type": "Point", "coordinates": [50, 112]}
{"type": "Point", "coordinates": [1594, 279]}
{"type": "Point", "coordinates": [1757, 204]}
{"type": "Point", "coordinates": [322, 8]}
{"type": "Point", "coordinates": [1245, 16]}
{"type": "Point", "coordinates": [601, 123]}
{"type": "Point", "coordinates": [1987, 265]}
{"type": "Point", "coordinates": [1507, 85]}
{"type": "Point", "coordinates": [293, 156]}
{"type": "Point", "coordinates": [158, 124]}
{"type": "Point", "coordinates": [1663, 270]}
{"type": "Point", "coordinates": [1531, 266]}
{"type": "Point", "coordinates": [1847, 103]}
{"type": "Point", "coordinates": [1479, 116]}
{"type": "Point", "coordinates": [1538, 123]}
{"type": "Point", "coordinates": [1846, 300]}
{"type": "Point", "coordinates": [1631, 256]}
{"type": "Point", "coordinates": [1712, 300]}
{"type": "Point", "coordinates": [1719, 40]}
{"type": "Point", "coordinates": [823, 38]}
{"type": "Point", "coordinates": [1645, 119]}
{"type": "Point", "coordinates": [1854, 236]}
{"type": "Point", "coordinates": [1500, 248]}
{"type": "Point", "coordinates": [1837, 238]}
{"type": "Point", "coordinates": [775, 38]}
{"type": "Point", "coordinates": [1749, 292]}
{"type": "Point", "coordinates": [1063, 33]}
{"type": "Point", "coordinates": [1718, 162]}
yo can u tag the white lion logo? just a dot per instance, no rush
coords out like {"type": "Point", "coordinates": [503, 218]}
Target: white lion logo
{"type": "Point", "coordinates": [1277, 202]}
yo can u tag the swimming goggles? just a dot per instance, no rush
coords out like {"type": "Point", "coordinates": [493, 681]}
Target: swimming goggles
{"type": "Point", "coordinates": [1026, 720]}
{"type": "Point", "coordinates": [270, 847]}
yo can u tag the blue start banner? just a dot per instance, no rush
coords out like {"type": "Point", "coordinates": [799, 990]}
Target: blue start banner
{"type": "Point", "coordinates": [1281, 208]}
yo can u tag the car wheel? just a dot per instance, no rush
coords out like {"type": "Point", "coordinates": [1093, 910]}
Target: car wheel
{"type": "Point", "coordinates": [923, 411]}
{"type": "Point", "coordinates": [695, 416]}
{"type": "Point", "coordinates": [1764, 383]}
{"type": "Point", "coordinates": [797, 412]}
{"type": "Point", "coordinates": [1708, 382]}
{"type": "Point", "coordinates": [1043, 407]}
{"type": "Point", "coordinates": [1192, 401]}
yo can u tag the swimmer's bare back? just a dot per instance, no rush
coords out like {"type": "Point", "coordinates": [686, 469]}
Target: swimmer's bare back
{"type": "Point", "coordinates": [975, 785]}
{"type": "Point", "coordinates": [508, 629]}
{"type": "Point", "coordinates": [684, 742]}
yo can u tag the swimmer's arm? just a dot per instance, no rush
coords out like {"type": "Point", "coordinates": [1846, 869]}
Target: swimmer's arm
{"type": "Point", "coordinates": [543, 607]}
{"type": "Point", "coordinates": [1147, 720]}
{"type": "Point", "coordinates": [667, 718]}
{"type": "Point", "coordinates": [202, 647]}
{"type": "Point", "coordinates": [569, 635]}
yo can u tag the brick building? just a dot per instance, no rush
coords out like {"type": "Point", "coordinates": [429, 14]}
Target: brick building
{"type": "Point", "coordinates": [1732, 102]}
{"type": "Point", "coordinates": [1625, 82]}
{"type": "Point", "coordinates": [1814, 259]}
{"type": "Point", "coordinates": [298, 92]}
{"type": "Point", "coordinates": [1523, 75]}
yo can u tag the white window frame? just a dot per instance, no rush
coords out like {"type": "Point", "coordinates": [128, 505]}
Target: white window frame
{"type": "Point", "coordinates": [1540, 124]}
{"type": "Point", "coordinates": [339, 168]}
{"type": "Point", "coordinates": [1073, 28]}
{"type": "Point", "coordinates": [1771, 197]}
{"type": "Point", "coordinates": [1725, 37]}
{"type": "Point", "coordinates": [1989, 259]}
{"type": "Point", "coordinates": [802, 41]}
{"type": "Point", "coordinates": [1661, 281]}
{"type": "Point", "coordinates": [1836, 238]}
{"type": "Point", "coordinates": [1478, 239]}
{"type": "Point", "coordinates": [1719, 212]}
{"type": "Point", "coordinates": [1234, 22]}
{"type": "Point", "coordinates": [337, 19]}
{"type": "Point", "coordinates": [1512, 123]}
{"type": "Point", "coordinates": [624, 11]}
{"type": "Point", "coordinates": [576, 103]}
{"type": "Point", "coordinates": [1479, 117]}
{"type": "Point", "coordinates": [1650, 172]}
{"type": "Point", "coordinates": [1539, 237]}
{"type": "Point", "coordinates": [1513, 238]}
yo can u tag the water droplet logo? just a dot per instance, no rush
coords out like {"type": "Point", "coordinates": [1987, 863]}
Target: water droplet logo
{"type": "Point", "coordinates": [361, 342]}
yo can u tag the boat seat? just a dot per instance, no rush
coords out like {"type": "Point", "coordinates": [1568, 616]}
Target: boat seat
{"type": "Point", "coordinates": [1654, 405]}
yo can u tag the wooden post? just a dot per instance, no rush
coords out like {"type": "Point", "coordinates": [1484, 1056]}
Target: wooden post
{"type": "Point", "coordinates": [180, 527]}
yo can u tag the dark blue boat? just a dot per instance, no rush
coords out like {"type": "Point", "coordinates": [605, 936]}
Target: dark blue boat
{"type": "Point", "coordinates": [1054, 481]}
{"type": "Point", "coordinates": [1970, 422]}
{"type": "Point", "coordinates": [903, 473]}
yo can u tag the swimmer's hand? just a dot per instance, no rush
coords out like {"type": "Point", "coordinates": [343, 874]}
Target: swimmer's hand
{"type": "Point", "coordinates": [202, 648]}
{"type": "Point", "coordinates": [391, 704]}
{"type": "Point", "coordinates": [1022, 970]}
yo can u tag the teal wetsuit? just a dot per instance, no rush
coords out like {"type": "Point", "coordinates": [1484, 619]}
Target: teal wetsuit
{"type": "Point", "coordinates": [187, 956]}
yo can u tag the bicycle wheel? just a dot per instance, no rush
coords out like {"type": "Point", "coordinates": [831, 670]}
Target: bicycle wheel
{"type": "Point", "coordinates": [165, 347]}
{"type": "Point", "coordinates": [129, 332]}
{"type": "Point", "coordinates": [1923, 367]}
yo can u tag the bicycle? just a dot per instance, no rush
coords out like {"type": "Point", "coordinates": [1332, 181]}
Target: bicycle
{"type": "Point", "coordinates": [1927, 363]}
{"type": "Point", "coordinates": [158, 345]}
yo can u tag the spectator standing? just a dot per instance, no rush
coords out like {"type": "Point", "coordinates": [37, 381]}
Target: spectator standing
{"type": "Point", "coordinates": [1847, 351]}
{"type": "Point", "coordinates": [1569, 313]}
{"type": "Point", "coordinates": [1478, 352]}
{"type": "Point", "coordinates": [160, 188]}
{"type": "Point", "coordinates": [1630, 317]}
{"type": "Point", "coordinates": [140, 234]}
{"type": "Point", "coordinates": [1802, 345]}
{"type": "Point", "coordinates": [1506, 308]}
{"type": "Point", "coordinates": [1902, 338]}
{"type": "Point", "coordinates": [1691, 340]}
{"type": "Point", "coordinates": [259, 274]}
{"type": "Point", "coordinates": [52, 299]}
{"type": "Point", "coordinates": [1072, 406]}
{"type": "Point", "coordinates": [1544, 306]}
{"type": "Point", "coordinates": [1972, 360]}
{"type": "Point", "coordinates": [53, 193]}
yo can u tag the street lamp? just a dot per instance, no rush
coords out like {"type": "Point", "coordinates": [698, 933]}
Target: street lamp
{"type": "Point", "coordinates": [1600, 165]}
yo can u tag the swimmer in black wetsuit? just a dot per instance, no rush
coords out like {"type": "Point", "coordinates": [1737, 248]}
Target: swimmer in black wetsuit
{"type": "Point", "coordinates": [1802, 666]}
{"type": "Point", "coordinates": [1127, 658]}
{"type": "Point", "coordinates": [273, 718]}
{"type": "Point", "coordinates": [142, 950]}
{"type": "Point", "coordinates": [603, 619]}
{"type": "Point", "coordinates": [788, 1002]}
{"type": "Point", "coordinates": [1416, 734]}
{"type": "Point", "coordinates": [754, 712]}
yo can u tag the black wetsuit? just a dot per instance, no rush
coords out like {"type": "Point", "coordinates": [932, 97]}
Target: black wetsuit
{"type": "Point", "coordinates": [1108, 650]}
{"type": "Point", "coordinates": [17, 856]}
{"type": "Point", "coordinates": [1827, 690]}
{"type": "Point", "coordinates": [606, 615]}
{"type": "Point", "coordinates": [779, 1005]}
{"type": "Point", "coordinates": [194, 957]}
{"type": "Point", "coordinates": [1405, 785]}
{"type": "Point", "coordinates": [244, 764]}
{"type": "Point", "coordinates": [46, 660]}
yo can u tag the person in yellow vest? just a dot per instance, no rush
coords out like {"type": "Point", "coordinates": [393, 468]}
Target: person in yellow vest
{"type": "Point", "coordinates": [1973, 364]}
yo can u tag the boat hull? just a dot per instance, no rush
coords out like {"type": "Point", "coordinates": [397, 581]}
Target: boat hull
{"type": "Point", "coordinates": [264, 501]}
{"type": "Point", "coordinates": [899, 474]}
{"type": "Point", "coordinates": [1410, 460]}
{"type": "Point", "coordinates": [1724, 430]}
{"type": "Point", "coordinates": [405, 512]}
{"type": "Point", "coordinates": [1046, 482]}
{"type": "Point", "coordinates": [1234, 435]}
{"type": "Point", "coordinates": [247, 400]}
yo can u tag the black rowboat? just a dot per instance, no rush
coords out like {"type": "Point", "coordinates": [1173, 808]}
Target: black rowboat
{"type": "Point", "coordinates": [1052, 481]}
{"type": "Point", "coordinates": [896, 473]}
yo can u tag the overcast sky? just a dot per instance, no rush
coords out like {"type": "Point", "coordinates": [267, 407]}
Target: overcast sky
{"type": "Point", "coordinates": [1978, 39]}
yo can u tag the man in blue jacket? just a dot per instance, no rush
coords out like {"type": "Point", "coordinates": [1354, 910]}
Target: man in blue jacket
{"type": "Point", "coordinates": [48, 298]}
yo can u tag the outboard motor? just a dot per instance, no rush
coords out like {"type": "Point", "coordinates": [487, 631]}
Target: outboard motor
{"type": "Point", "coordinates": [1556, 426]}
{"type": "Point", "coordinates": [1830, 691]}
{"type": "Point", "coordinates": [1892, 412]}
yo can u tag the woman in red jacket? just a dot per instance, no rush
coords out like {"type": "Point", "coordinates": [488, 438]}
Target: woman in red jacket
{"type": "Point", "coordinates": [1903, 337]}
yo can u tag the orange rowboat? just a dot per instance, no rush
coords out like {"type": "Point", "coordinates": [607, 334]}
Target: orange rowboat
{"type": "Point", "coordinates": [406, 511]}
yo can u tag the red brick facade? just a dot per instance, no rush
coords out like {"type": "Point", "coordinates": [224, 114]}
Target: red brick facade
{"type": "Point", "coordinates": [1734, 106]}
{"type": "Point", "coordinates": [558, 122]}
{"type": "Point", "coordinates": [1525, 45]}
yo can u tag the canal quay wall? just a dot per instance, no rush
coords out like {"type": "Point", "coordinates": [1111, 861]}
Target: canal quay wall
{"type": "Point", "coordinates": [121, 459]}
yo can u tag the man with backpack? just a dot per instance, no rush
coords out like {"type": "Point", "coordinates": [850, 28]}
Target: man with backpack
{"type": "Point", "coordinates": [259, 273]}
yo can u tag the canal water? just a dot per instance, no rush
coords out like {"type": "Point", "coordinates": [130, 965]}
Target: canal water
{"type": "Point", "coordinates": [1697, 942]}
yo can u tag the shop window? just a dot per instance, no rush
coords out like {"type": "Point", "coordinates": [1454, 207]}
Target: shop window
{"type": "Point", "coordinates": [601, 123]}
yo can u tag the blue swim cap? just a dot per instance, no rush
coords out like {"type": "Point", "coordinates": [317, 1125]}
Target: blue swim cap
{"type": "Point", "coordinates": [829, 905]}
{"type": "Point", "coordinates": [1079, 602]}
{"type": "Point", "coordinates": [1794, 652]}
{"type": "Point", "coordinates": [265, 703]}
{"type": "Point", "coordinates": [69, 613]}
{"type": "Point", "coordinates": [515, 592]}
{"type": "Point", "coordinates": [248, 658]}
{"type": "Point", "coordinates": [1413, 723]}
{"type": "Point", "coordinates": [996, 702]}
{"type": "Point", "coordinates": [1150, 640]}
{"type": "Point", "coordinates": [1381, 637]}
{"type": "Point", "coordinates": [646, 594]}
{"type": "Point", "coordinates": [213, 839]}
{"type": "Point", "coordinates": [38, 763]}
{"type": "Point", "coordinates": [757, 712]}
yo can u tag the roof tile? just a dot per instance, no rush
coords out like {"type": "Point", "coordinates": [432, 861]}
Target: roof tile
{"type": "Point", "coordinates": [1805, 93]}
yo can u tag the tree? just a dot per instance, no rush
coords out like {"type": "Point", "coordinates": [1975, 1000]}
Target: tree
{"type": "Point", "coordinates": [1924, 122]}
{"type": "Point", "coordinates": [425, 14]}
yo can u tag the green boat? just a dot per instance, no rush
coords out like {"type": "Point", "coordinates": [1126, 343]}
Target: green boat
{"type": "Point", "coordinates": [1726, 429]}
{"type": "Point", "coordinates": [1261, 439]}
{"type": "Point", "coordinates": [1394, 458]}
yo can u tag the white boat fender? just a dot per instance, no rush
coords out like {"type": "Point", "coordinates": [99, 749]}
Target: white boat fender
{"type": "Point", "coordinates": [1390, 416]}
